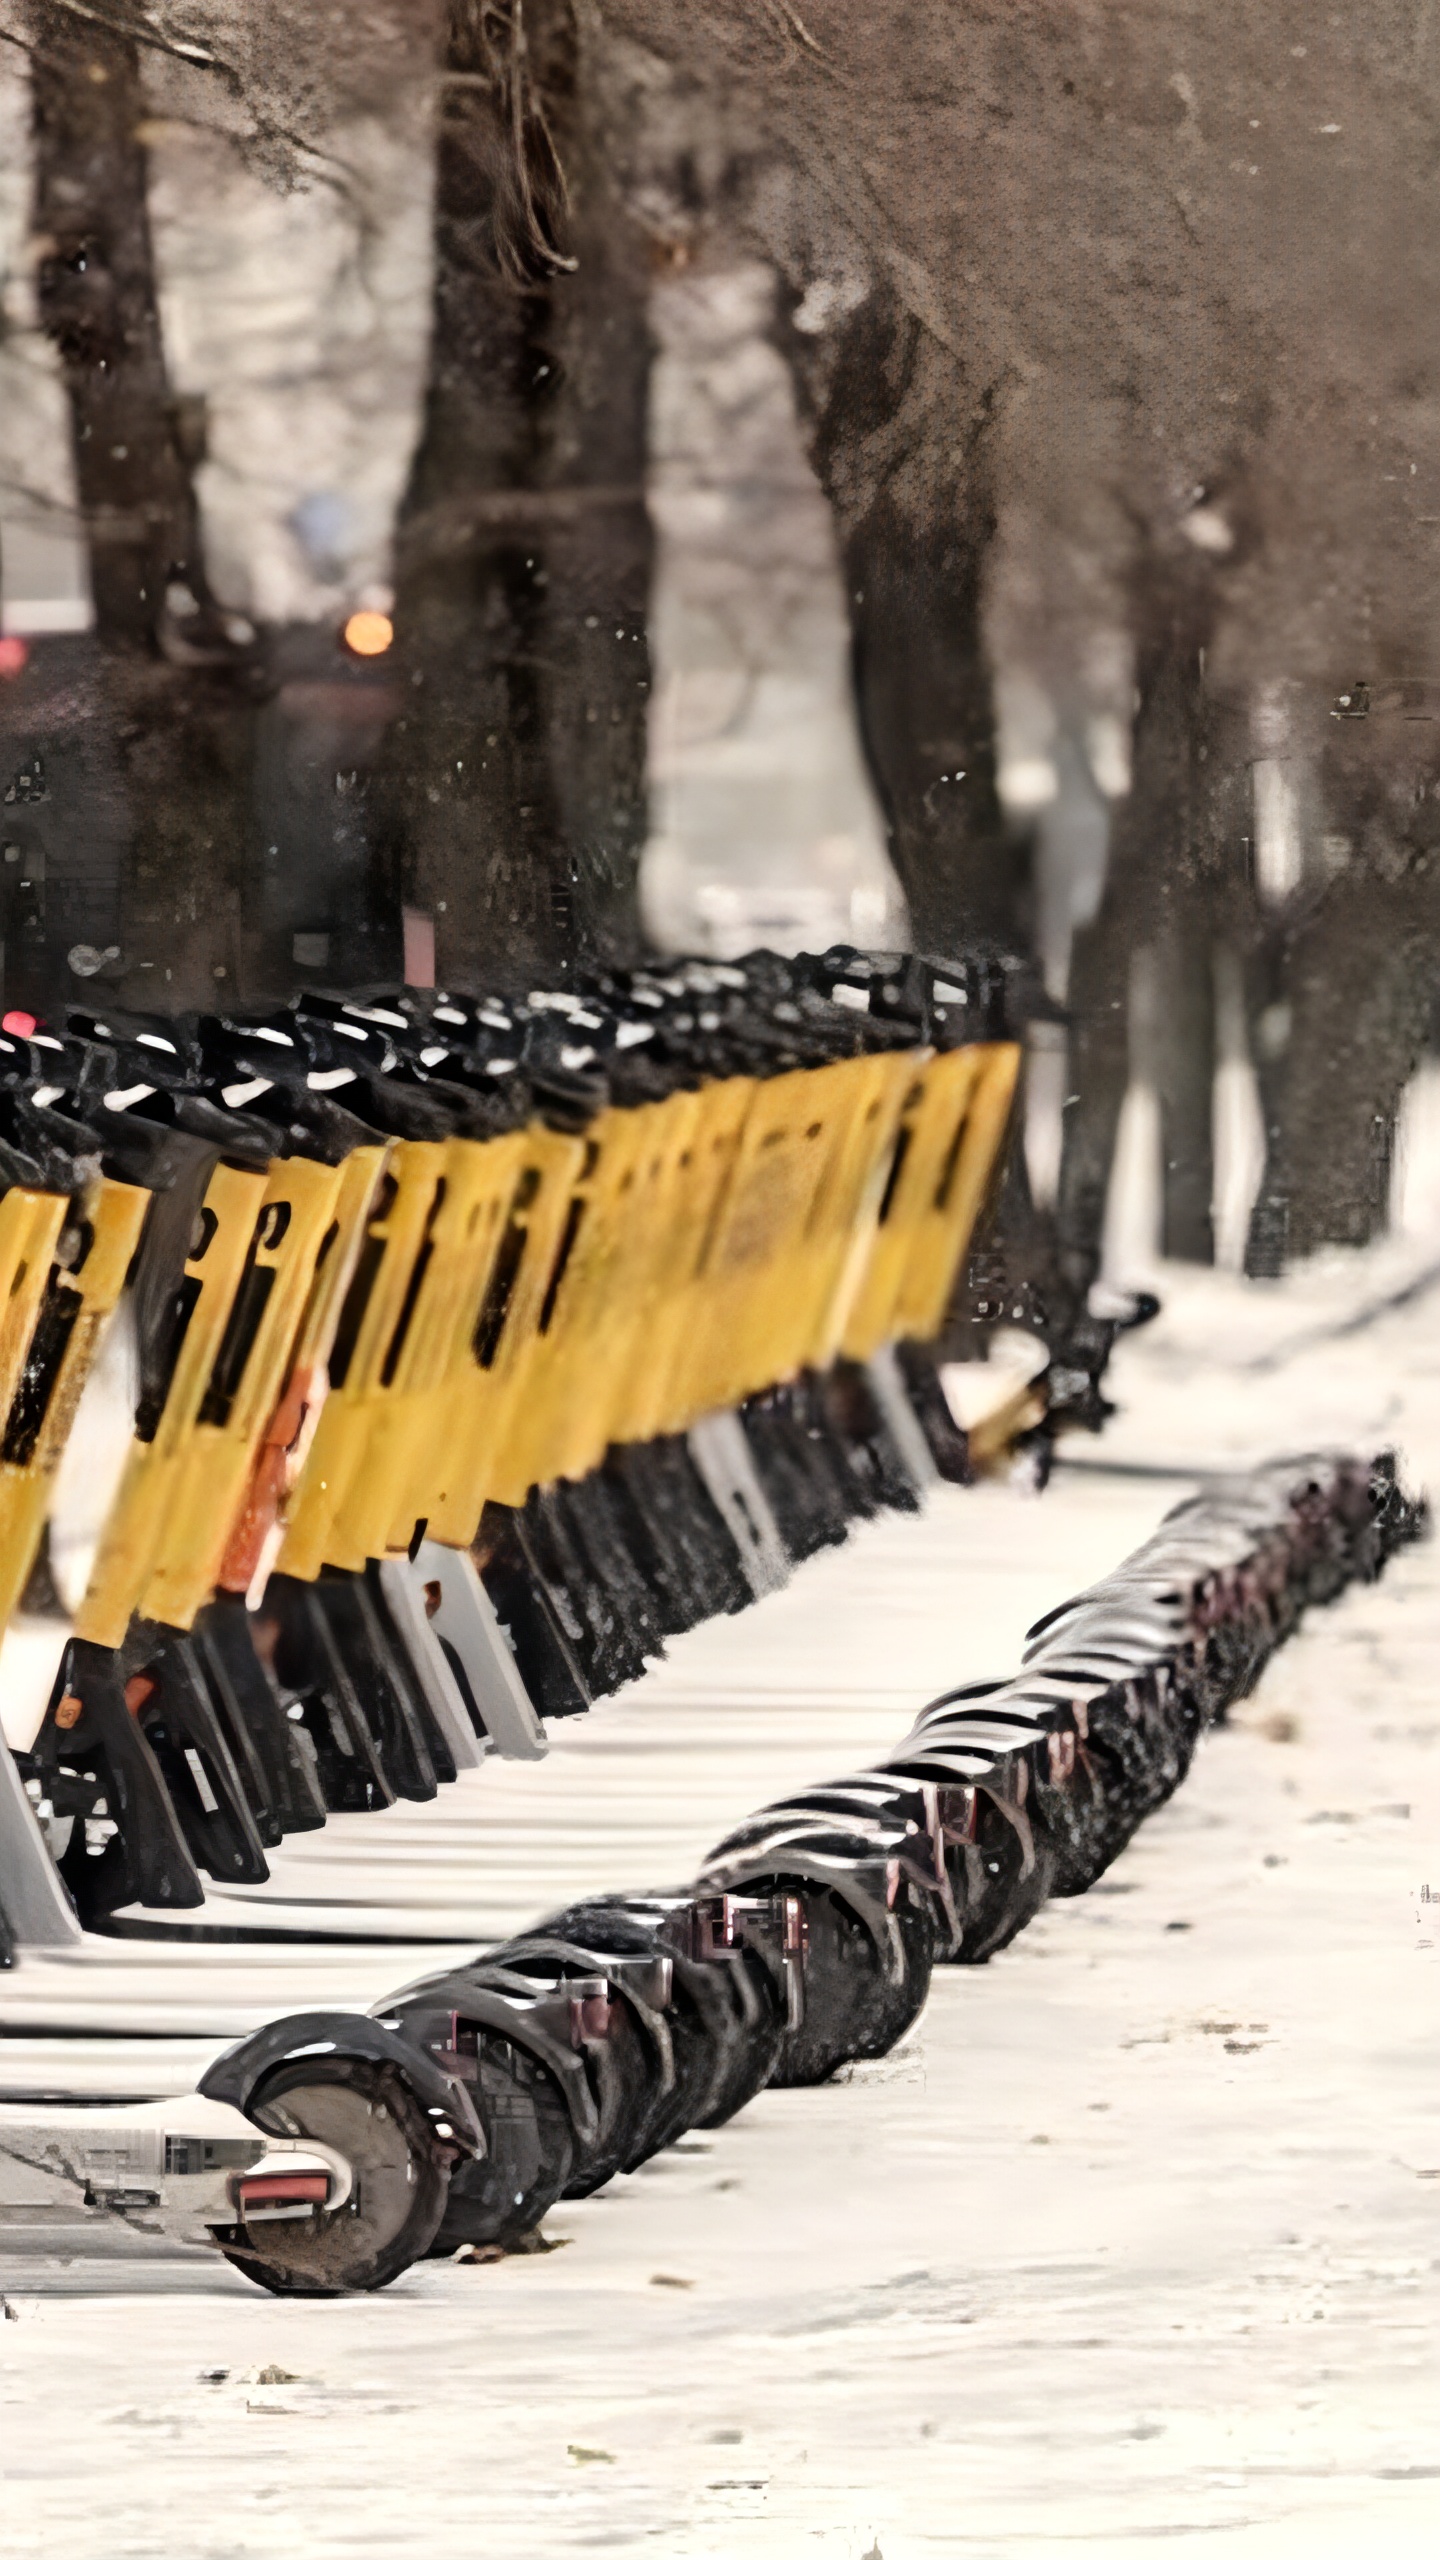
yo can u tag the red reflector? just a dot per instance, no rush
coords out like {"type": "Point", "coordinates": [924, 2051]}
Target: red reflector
{"type": "Point", "coordinates": [300, 2186]}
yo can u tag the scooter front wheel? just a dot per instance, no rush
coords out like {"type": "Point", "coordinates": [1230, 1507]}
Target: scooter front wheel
{"type": "Point", "coordinates": [399, 2182]}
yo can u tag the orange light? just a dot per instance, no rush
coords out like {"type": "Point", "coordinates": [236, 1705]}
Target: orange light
{"type": "Point", "coordinates": [14, 655]}
{"type": "Point", "coordinates": [369, 634]}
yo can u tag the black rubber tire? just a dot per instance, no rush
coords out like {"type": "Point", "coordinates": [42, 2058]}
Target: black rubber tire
{"type": "Point", "coordinates": [400, 2181]}
{"type": "Point", "coordinates": [853, 2011]}
{"type": "Point", "coordinates": [627, 2095]}
{"type": "Point", "coordinates": [700, 2017]}
{"type": "Point", "coordinates": [529, 2160]}
{"type": "Point", "coordinates": [991, 1889]}
{"type": "Point", "coordinates": [755, 2000]}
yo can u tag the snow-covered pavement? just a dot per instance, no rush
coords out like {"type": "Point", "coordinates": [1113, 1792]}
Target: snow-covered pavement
{"type": "Point", "coordinates": [1135, 2238]}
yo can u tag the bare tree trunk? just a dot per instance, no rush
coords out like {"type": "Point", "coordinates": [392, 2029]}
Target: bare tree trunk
{"type": "Point", "coordinates": [913, 569]}
{"type": "Point", "coordinates": [181, 727]}
{"type": "Point", "coordinates": [600, 557]}
{"type": "Point", "coordinates": [1190, 863]}
{"type": "Point", "coordinates": [923, 690]}
{"type": "Point", "coordinates": [516, 774]}
{"type": "Point", "coordinates": [1342, 992]}
{"type": "Point", "coordinates": [1099, 1070]}
{"type": "Point", "coordinates": [97, 292]}
{"type": "Point", "coordinates": [1345, 1026]}
{"type": "Point", "coordinates": [1168, 861]}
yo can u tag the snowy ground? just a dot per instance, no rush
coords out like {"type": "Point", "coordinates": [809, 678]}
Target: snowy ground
{"type": "Point", "coordinates": [1135, 2238]}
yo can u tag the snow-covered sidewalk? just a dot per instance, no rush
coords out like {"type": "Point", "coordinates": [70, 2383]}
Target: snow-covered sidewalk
{"type": "Point", "coordinates": [1134, 2238]}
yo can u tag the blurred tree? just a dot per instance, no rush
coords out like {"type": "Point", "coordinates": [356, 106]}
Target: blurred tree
{"type": "Point", "coordinates": [171, 672]}
{"type": "Point", "coordinates": [516, 773]}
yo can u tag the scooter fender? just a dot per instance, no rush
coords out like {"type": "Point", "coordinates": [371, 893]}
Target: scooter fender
{"type": "Point", "coordinates": [237, 2076]}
